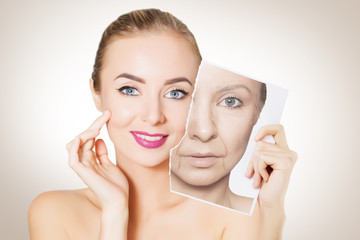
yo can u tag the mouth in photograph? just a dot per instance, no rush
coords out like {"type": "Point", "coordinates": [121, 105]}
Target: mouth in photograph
{"type": "Point", "coordinates": [148, 140]}
{"type": "Point", "coordinates": [199, 160]}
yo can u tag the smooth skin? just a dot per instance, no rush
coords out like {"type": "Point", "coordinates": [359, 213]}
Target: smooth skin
{"type": "Point", "coordinates": [131, 200]}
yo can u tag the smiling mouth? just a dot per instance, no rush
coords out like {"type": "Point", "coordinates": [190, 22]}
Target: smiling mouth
{"type": "Point", "coordinates": [148, 140]}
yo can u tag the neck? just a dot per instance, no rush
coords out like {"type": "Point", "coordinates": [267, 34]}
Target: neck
{"type": "Point", "coordinates": [149, 187]}
{"type": "Point", "coordinates": [217, 192]}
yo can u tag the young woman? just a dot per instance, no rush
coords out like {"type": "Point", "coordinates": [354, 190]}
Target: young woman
{"type": "Point", "coordinates": [143, 78]}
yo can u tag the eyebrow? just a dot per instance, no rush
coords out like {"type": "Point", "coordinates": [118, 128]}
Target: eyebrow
{"type": "Point", "coordinates": [233, 87]}
{"type": "Point", "coordinates": [131, 77]}
{"type": "Point", "coordinates": [140, 80]}
{"type": "Point", "coordinates": [177, 79]}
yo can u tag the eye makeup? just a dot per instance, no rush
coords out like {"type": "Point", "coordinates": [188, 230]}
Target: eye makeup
{"type": "Point", "coordinates": [176, 93]}
{"type": "Point", "coordinates": [128, 91]}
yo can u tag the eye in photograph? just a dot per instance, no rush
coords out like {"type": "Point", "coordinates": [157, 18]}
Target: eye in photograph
{"type": "Point", "coordinates": [231, 102]}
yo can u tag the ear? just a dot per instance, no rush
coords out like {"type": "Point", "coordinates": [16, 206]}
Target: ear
{"type": "Point", "coordinates": [96, 96]}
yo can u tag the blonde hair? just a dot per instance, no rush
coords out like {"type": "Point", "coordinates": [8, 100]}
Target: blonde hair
{"type": "Point", "coordinates": [135, 22]}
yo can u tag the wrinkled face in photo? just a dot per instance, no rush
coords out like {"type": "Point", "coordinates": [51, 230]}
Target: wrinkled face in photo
{"type": "Point", "coordinates": [225, 108]}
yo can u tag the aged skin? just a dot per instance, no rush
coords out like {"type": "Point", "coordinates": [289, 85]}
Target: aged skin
{"type": "Point", "coordinates": [224, 111]}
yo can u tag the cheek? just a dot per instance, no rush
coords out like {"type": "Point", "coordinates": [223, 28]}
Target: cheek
{"type": "Point", "coordinates": [123, 112]}
{"type": "Point", "coordinates": [177, 115]}
{"type": "Point", "coordinates": [121, 116]}
{"type": "Point", "coordinates": [234, 130]}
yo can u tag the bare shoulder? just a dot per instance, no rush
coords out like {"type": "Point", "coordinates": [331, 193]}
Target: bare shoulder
{"type": "Point", "coordinates": [240, 203]}
{"type": "Point", "coordinates": [55, 214]}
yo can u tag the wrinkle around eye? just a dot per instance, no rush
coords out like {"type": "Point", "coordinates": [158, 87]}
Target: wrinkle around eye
{"type": "Point", "coordinates": [237, 102]}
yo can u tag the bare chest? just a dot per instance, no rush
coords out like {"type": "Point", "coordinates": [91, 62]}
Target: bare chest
{"type": "Point", "coordinates": [182, 225]}
{"type": "Point", "coordinates": [176, 228]}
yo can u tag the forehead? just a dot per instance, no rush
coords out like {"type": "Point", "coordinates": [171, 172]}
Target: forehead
{"type": "Point", "coordinates": [213, 78]}
{"type": "Point", "coordinates": [151, 55]}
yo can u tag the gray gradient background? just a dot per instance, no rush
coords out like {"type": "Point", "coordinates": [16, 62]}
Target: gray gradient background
{"type": "Point", "coordinates": [309, 47]}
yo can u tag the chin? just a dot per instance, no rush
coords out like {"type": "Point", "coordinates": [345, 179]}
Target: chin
{"type": "Point", "coordinates": [152, 162]}
{"type": "Point", "coordinates": [144, 159]}
{"type": "Point", "coordinates": [200, 179]}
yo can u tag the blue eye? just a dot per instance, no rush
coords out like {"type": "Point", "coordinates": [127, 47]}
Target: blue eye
{"type": "Point", "coordinates": [130, 91]}
{"type": "Point", "coordinates": [231, 102]}
{"type": "Point", "coordinates": [176, 94]}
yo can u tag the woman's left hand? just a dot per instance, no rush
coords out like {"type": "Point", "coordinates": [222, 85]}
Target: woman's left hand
{"type": "Point", "coordinates": [271, 165]}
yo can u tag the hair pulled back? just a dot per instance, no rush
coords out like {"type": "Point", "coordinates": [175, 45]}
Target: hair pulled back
{"type": "Point", "coordinates": [136, 22]}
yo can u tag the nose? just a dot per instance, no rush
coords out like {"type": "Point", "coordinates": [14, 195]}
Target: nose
{"type": "Point", "coordinates": [202, 125]}
{"type": "Point", "coordinates": [152, 111]}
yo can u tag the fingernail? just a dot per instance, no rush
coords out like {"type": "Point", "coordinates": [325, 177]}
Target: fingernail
{"type": "Point", "coordinates": [106, 113]}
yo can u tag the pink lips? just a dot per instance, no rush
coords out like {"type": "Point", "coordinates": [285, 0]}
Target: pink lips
{"type": "Point", "coordinates": [148, 140]}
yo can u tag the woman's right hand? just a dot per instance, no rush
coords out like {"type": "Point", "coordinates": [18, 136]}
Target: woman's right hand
{"type": "Point", "coordinates": [104, 178]}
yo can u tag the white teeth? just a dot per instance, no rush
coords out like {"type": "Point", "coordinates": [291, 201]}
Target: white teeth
{"type": "Point", "coordinates": [148, 138]}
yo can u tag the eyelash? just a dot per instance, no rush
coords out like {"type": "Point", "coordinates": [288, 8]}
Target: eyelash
{"type": "Point", "coordinates": [233, 97]}
{"type": "Point", "coordinates": [179, 90]}
{"type": "Point", "coordinates": [127, 87]}
{"type": "Point", "coordinates": [185, 93]}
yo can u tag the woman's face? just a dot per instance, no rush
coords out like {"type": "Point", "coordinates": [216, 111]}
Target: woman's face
{"type": "Point", "coordinates": [221, 120]}
{"type": "Point", "coordinates": [147, 82]}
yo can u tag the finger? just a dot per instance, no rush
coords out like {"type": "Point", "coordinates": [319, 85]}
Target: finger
{"type": "Point", "coordinates": [87, 139]}
{"type": "Point", "coordinates": [257, 180]}
{"type": "Point", "coordinates": [87, 174]}
{"type": "Point", "coordinates": [277, 161]}
{"type": "Point", "coordinates": [269, 147]}
{"type": "Point", "coordinates": [69, 144]}
{"type": "Point", "coordinates": [84, 136]}
{"type": "Point", "coordinates": [88, 134]}
{"type": "Point", "coordinates": [263, 171]}
{"type": "Point", "coordinates": [101, 152]}
{"type": "Point", "coordinates": [100, 121]}
{"type": "Point", "coordinates": [279, 154]}
{"type": "Point", "coordinates": [257, 177]}
{"type": "Point", "coordinates": [250, 170]}
{"type": "Point", "coordinates": [277, 131]}
{"type": "Point", "coordinates": [73, 154]}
